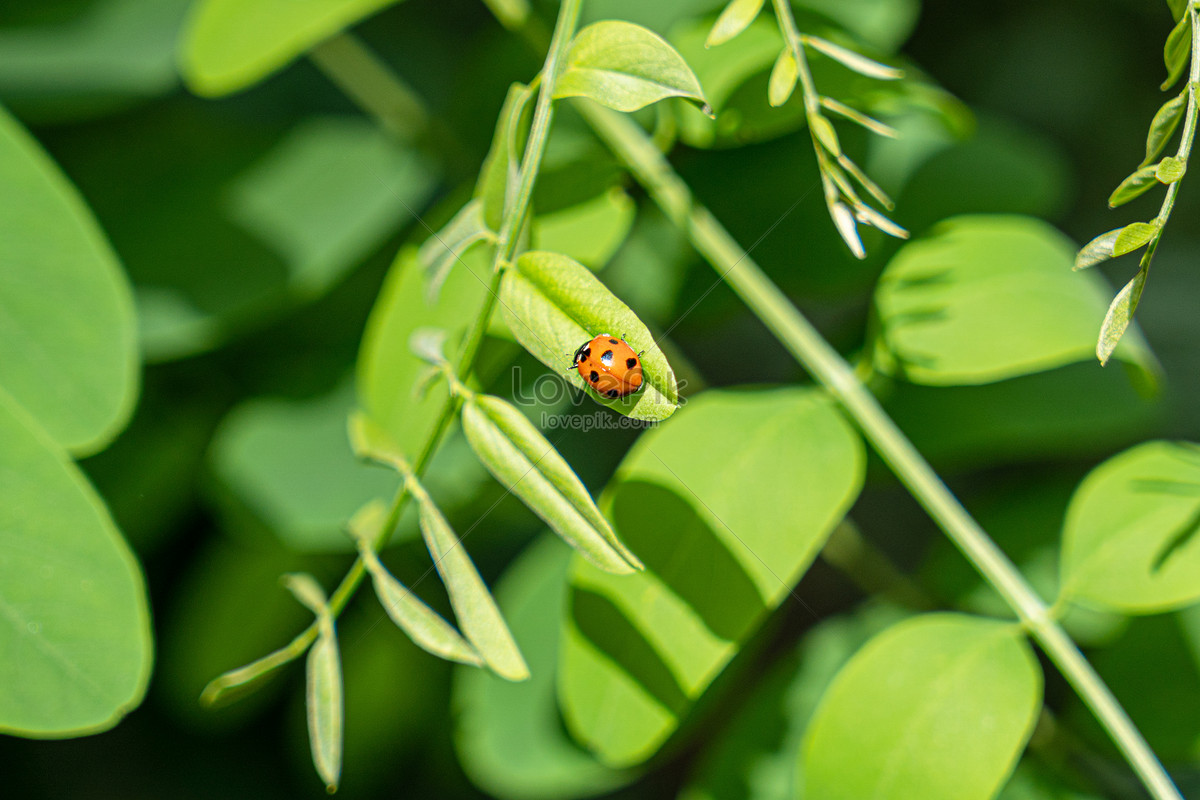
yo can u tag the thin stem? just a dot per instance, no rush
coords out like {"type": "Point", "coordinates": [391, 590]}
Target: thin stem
{"type": "Point", "coordinates": [1189, 120]}
{"type": "Point", "coordinates": [568, 17]}
{"type": "Point", "coordinates": [808, 90]}
{"type": "Point", "coordinates": [366, 80]}
{"type": "Point", "coordinates": [765, 299]}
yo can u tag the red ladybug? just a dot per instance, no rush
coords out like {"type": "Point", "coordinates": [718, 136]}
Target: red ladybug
{"type": "Point", "coordinates": [609, 366]}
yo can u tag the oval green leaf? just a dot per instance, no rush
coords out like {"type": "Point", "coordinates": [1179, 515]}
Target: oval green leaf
{"type": "Point", "coordinates": [783, 78]}
{"type": "Point", "coordinates": [1129, 542]}
{"type": "Point", "coordinates": [736, 17]}
{"type": "Point", "coordinates": [1165, 121]}
{"type": "Point", "coordinates": [1177, 49]}
{"type": "Point", "coordinates": [528, 465]}
{"type": "Point", "coordinates": [1170, 169]}
{"type": "Point", "coordinates": [68, 348]}
{"type": "Point", "coordinates": [76, 628]}
{"type": "Point", "coordinates": [420, 622]}
{"type": "Point", "coordinates": [937, 707]}
{"type": "Point", "coordinates": [985, 298]}
{"type": "Point", "coordinates": [554, 304]}
{"type": "Point", "coordinates": [1133, 236]}
{"type": "Point", "coordinates": [497, 183]}
{"type": "Point", "coordinates": [625, 67]}
{"type": "Point", "coordinates": [232, 44]}
{"type": "Point", "coordinates": [474, 607]}
{"type": "Point", "coordinates": [1134, 186]}
{"type": "Point", "coordinates": [1119, 316]}
{"type": "Point", "coordinates": [697, 499]}
{"type": "Point", "coordinates": [1097, 250]}
{"type": "Point", "coordinates": [509, 736]}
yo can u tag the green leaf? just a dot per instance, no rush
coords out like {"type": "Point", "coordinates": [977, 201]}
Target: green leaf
{"type": "Point", "coordinates": [1119, 316]}
{"type": "Point", "coordinates": [1165, 121]}
{"type": "Point", "coordinates": [984, 298]}
{"type": "Point", "coordinates": [97, 57]}
{"type": "Point", "coordinates": [1133, 236]}
{"type": "Point", "coordinates": [846, 228]}
{"type": "Point", "coordinates": [553, 304]}
{"type": "Point", "coordinates": [443, 249]}
{"type": "Point", "coordinates": [937, 707]}
{"type": "Point", "coordinates": [854, 115]}
{"type": "Point", "coordinates": [420, 622]}
{"type": "Point", "coordinates": [1170, 169]}
{"type": "Point", "coordinates": [852, 60]}
{"type": "Point", "coordinates": [474, 607]}
{"type": "Point", "coordinates": [528, 466]}
{"type": "Point", "coordinates": [1133, 186]}
{"type": "Point", "coordinates": [697, 500]}
{"type": "Point", "coordinates": [328, 195]}
{"type": "Point", "coordinates": [76, 631]}
{"type": "Point", "coordinates": [323, 678]}
{"type": "Point", "coordinates": [1177, 49]}
{"type": "Point", "coordinates": [509, 736]}
{"type": "Point", "coordinates": [823, 130]}
{"type": "Point", "coordinates": [229, 45]}
{"type": "Point", "coordinates": [625, 67]}
{"type": "Point", "coordinates": [783, 78]}
{"type": "Point", "coordinates": [264, 453]}
{"type": "Point", "coordinates": [1178, 7]}
{"type": "Point", "coordinates": [387, 368]}
{"type": "Point", "coordinates": [754, 755]}
{"type": "Point", "coordinates": [497, 184]}
{"type": "Point", "coordinates": [590, 232]}
{"type": "Point", "coordinates": [736, 17]}
{"type": "Point", "coordinates": [68, 349]}
{"type": "Point", "coordinates": [1097, 250]}
{"type": "Point", "coordinates": [1129, 542]}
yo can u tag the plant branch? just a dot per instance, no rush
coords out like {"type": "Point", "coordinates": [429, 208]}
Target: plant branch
{"type": "Point", "coordinates": [506, 245]}
{"type": "Point", "coordinates": [631, 144]}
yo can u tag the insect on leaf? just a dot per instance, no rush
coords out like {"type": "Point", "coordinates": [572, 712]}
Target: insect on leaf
{"type": "Point", "coordinates": [625, 67]}
{"type": "Point", "coordinates": [553, 304]}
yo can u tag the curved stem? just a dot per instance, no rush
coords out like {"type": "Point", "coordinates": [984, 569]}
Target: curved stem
{"type": "Point", "coordinates": [631, 144]}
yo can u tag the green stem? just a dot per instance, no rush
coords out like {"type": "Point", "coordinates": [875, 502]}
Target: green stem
{"type": "Point", "coordinates": [746, 278]}
{"type": "Point", "coordinates": [808, 90]}
{"type": "Point", "coordinates": [568, 18]}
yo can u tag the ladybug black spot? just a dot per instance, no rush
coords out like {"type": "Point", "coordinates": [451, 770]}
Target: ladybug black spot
{"type": "Point", "coordinates": [587, 352]}
{"type": "Point", "coordinates": [613, 341]}
{"type": "Point", "coordinates": [631, 362]}
{"type": "Point", "coordinates": [595, 376]}
{"type": "Point", "coordinates": [606, 358]}
{"type": "Point", "coordinates": [612, 393]}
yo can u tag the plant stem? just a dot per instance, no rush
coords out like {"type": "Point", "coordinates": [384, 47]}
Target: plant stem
{"type": "Point", "coordinates": [568, 18]}
{"type": "Point", "coordinates": [1103, 348]}
{"type": "Point", "coordinates": [631, 144]}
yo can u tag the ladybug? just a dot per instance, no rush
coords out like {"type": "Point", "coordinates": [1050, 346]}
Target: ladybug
{"type": "Point", "coordinates": [609, 366]}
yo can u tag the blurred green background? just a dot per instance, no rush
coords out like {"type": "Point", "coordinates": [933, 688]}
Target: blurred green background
{"type": "Point", "coordinates": [257, 230]}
